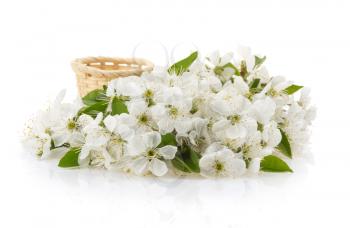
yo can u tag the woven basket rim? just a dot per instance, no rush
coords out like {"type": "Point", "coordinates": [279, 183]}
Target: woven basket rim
{"type": "Point", "coordinates": [79, 65]}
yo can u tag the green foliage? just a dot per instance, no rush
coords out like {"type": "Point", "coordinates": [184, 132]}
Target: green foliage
{"type": "Point", "coordinates": [292, 89]}
{"type": "Point", "coordinates": [94, 109]}
{"type": "Point", "coordinates": [284, 145]}
{"type": "Point", "coordinates": [94, 97]}
{"type": "Point", "coordinates": [181, 66]}
{"type": "Point", "coordinates": [118, 106]}
{"type": "Point", "coordinates": [168, 139]}
{"type": "Point", "coordinates": [186, 160]}
{"type": "Point", "coordinates": [259, 61]}
{"type": "Point", "coordinates": [254, 84]}
{"type": "Point", "coordinates": [70, 159]}
{"type": "Point", "coordinates": [272, 163]}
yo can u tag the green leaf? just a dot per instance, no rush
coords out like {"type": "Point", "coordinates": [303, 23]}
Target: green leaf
{"type": "Point", "coordinates": [94, 109]}
{"type": "Point", "coordinates": [94, 96]}
{"type": "Point", "coordinates": [272, 163]}
{"type": "Point", "coordinates": [179, 164]}
{"type": "Point", "coordinates": [186, 160]}
{"type": "Point", "coordinates": [259, 61]}
{"type": "Point", "coordinates": [168, 139]}
{"type": "Point", "coordinates": [118, 106]}
{"type": "Point", "coordinates": [284, 146]}
{"type": "Point", "coordinates": [255, 83]}
{"type": "Point", "coordinates": [292, 89]}
{"type": "Point", "coordinates": [70, 159]}
{"type": "Point", "coordinates": [183, 65]}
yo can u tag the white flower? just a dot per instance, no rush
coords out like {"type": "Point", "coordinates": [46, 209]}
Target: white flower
{"type": "Point", "coordinates": [263, 110]}
{"type": "Point", "coordinates": [271, 135]}
{"type": "Point", "coordinates": [120, 134]}
{"type": "Point", "coordinates": [39, 133]}
{"type": "Point", "coordinates": [140, 116]}
{"type": "Point", "coordinates": [174, 115]}
{"type": "Point", "coordinates": [40, 142]}
{"type": "Point", "coordinates": [218, 64]}
{"type": "Point", "coordinates": [221, 163]}
{"type": "Point", "coordinates": [212, 108]}
{"type": "Point", "coordinates": [241, 86]}
{"type": "Point", "coordinates": [275, 90]}
{"type": "Point", "coordinates": [245, 57]}
{"type": "Point", "coordinates": [94, 150]}
{"type": "Point", "coordinates": [147, 156]}
{"type": "Point", "coordinates": [93, 141]}
{"type": "Point", "coordinates": [126, 86]}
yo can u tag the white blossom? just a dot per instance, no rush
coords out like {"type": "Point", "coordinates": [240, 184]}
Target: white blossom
{"type": "Point", "coordinates": [226, 109]}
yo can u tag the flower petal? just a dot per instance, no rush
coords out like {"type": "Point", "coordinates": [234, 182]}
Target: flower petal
{"type": "Point", "coordinates": [139, 165]}
{"type": "Point", "coordinates": [85, 150]}
{"type": "Point", "coordinates": [168, 152]}
{"type": "Point", "coordinates": [158, 167]}
{"type": "Point", "coordinates": [152, 139]}
{"type": "Point", "coordinates": [254, 165]}
{"type": "Point", "coordinates": [110, 123]}
{"type": "Point", "coordinates": [238, 167]}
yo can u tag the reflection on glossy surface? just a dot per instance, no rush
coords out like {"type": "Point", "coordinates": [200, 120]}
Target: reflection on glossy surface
{"type": "Point", "coordinates": [170, 200]}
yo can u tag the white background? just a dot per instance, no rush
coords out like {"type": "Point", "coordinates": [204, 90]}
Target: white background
{"type": "Point", "coordinates": [307, 41]}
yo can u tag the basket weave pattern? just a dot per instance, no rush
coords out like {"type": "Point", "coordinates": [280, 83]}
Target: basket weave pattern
{"type": "Point", "coordinates": [95, 72]}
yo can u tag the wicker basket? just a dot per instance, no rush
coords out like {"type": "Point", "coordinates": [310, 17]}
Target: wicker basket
{"type": "Point", "coordinates": [94, 72]}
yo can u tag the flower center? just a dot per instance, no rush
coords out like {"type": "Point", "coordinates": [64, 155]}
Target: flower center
{"type": "Point", "coordinates": [272, 93]}
{"type": "Point", "coordinates": [151, 153]}
{"type": "Point", "coordinates": [148, 94]}
{"type": "Point", "coordinates": [245, 149]}
{"type": "Point", "coordinates": [143, 118]}
{"type": "Point", "coordinates": [218, 166]}
{"type": "Point", "coordinates": [71, 124]}
{"type": "Point", "coordinates": [173, 111]}
{"type": "Point", "coordinates": [234, 119]}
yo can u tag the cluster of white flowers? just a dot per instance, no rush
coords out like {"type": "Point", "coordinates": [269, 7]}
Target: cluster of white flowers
{"type": "Point", "coordinates": [220, 116]}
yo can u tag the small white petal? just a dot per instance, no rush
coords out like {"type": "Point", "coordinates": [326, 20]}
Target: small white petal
{"type": "Point", "coordinates": [139, 165]}
{"type": "Point", "coordinates": [85, 151]}
{"type": "Point", "coordinates": [214, 147]}
{"type": "Point", "coordinates": [183, 126]}
{"type": "Point", "coordinates": [254, 165]}
{"type": "Point", "coordinates": [237, 167]}
{"type": "Point", "coordinates": [110, 123]}
{"type": "Point", "coordinates": [263, 110]}
{"type": "Point", "coordinates": [166, 125]}
{"type": "Point", "coordinates": [60, 139]}
{"type": "Point", "coordinates": [168, 152]}
{"type": "Point", "coordinates": [152, 139]}
{"type": "Point", "coordinates": [158, 167]}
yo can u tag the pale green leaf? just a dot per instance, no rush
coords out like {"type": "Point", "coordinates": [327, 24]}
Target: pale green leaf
{"type": "Point", "coordinates": [272, 163]}
{"type": "Point", "coordinates": [118, 107]}
{"type": "Point", "coordinates": [284, 145]}
{"type": "Point", "coordinates": [292, 89]}
{"type": "Point", "coordinates": [181, 66]}
{"type": "Point", "coordinates": [94, 109]}
{"type": "Point", "coordinates": [94, 96]}
{"type": "Point", "coordinates": [168, 139]}
{"type": "Point", "coordinates": [259, 61]}
{"type": "Point", "coordinates": [70, 159]}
